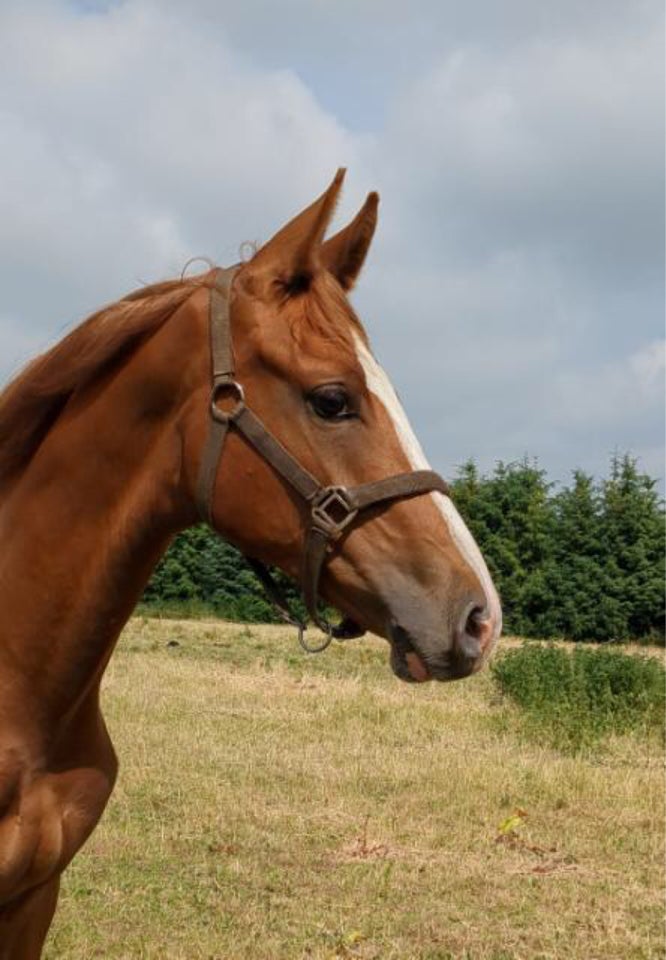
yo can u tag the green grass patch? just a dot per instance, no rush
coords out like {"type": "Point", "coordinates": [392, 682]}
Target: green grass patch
{"type": "Point", "coordinates": [273, 805]}
{"type": "Point", "coordinates": [573, 700]}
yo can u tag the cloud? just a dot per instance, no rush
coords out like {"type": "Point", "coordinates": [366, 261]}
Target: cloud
{"type": "Point", "coordinates": [125, 162]}
{"type": "Point", "coordinates": [617, 394]}
{"type": "Point", "coordinates": [533, 184]}
{"type": "Point", "coordinates": [553, 146]}
{"type": "Point", "coordinates": [515, 288]}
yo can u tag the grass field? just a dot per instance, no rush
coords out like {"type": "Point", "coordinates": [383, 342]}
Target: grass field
{"type": "Point", "coordinates": [272, 805]}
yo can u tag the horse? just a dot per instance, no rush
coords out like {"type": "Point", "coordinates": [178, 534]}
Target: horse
{"type": "Point", "coordinates": [122, 435]}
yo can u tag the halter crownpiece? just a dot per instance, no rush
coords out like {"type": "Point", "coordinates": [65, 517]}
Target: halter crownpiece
{"type": "Point", "coordinates": [332, 508]}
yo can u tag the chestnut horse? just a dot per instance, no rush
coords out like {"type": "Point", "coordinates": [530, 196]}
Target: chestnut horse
{"type": "Point", "coordinates": [102, 444]}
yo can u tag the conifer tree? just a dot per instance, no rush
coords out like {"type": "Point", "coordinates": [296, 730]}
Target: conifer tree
{"type": "Point", "coordinates": [584, 606]}
{"type": "Point", "coordinates": [510, 516]}
{"type": "Point", "coordinates": [633, 545]}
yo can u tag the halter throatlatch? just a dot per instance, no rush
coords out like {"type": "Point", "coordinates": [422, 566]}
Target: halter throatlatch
{"type": "Point", "coordinates": [332, 509]}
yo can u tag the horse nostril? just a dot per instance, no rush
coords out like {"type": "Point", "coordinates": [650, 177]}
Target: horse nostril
{"type": "Point", "coordinates": [474, 632]}
{"type": "Point", "coordinates": [476, 624]}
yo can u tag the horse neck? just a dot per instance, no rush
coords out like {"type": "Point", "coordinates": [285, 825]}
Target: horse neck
{"type": "Point", "coordinates": [89, 518]}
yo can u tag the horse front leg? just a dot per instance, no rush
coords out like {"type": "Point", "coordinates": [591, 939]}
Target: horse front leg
{"type": "Point", "coordinates": [50, 822]}
{"type": "Point", "coordinates": [25, 922]}
{"type": "Point", "coordinates": [48, 815]}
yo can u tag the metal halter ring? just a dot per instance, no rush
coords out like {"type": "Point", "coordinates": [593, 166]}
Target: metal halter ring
{"type": "Point", "coordinates": [224, 416]}
{"type": "Point", "coordinates": [318, 647]}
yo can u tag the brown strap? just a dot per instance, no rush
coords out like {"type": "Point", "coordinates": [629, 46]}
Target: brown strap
{"type": "Point", "coordinates": [222, 367]}
{"type": "Point", "coordinates": [401, 485]}
{"type": "Point", "coordinates": [217, 431]}
{"type": "Point", "coordinates": [221, 344]}
{"type": "Point", "coordinates": [273, 592]}
{"type": "Point", "coordinates": [249, 424]}
{"type": "Point", "coordinates": [316, 547]}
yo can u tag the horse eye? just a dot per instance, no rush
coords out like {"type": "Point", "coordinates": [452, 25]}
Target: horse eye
{"type": "Point", "coordinates": [330, 402]}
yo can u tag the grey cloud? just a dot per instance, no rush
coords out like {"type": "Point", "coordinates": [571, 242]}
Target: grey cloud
{"type": "Point", "coordinates": [123, 164]}
{"type": "Point", "coordinates": [515, 289]}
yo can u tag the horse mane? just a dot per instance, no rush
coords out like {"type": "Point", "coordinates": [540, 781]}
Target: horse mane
{"type": "Point", "coordinates": [33, 400]}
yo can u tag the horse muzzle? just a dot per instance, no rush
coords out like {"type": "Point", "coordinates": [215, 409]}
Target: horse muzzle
{"type": "Point", "coordinates": [469, 647]}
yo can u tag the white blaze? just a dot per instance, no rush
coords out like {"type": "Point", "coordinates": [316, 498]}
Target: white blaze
{"type": "Point", "coordinates": [381, 386]}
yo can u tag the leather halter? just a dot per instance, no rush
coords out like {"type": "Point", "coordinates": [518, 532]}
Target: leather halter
{"type": "Point", "coordinates": [332, 508]}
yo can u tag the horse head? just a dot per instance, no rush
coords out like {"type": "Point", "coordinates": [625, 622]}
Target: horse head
{"type": "Point", "coordinates": [407, 568]}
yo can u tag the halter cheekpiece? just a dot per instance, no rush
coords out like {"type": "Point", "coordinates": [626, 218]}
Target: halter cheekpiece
{"type": "Point", "coordinates": [332, 508]}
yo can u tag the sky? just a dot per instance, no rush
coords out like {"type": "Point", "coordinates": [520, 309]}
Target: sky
{"type": "Point", "coordinates": [515, 288]}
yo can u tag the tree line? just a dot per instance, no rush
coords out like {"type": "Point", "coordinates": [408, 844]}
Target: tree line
{"type": "Point", "coordinates": [585, 561]}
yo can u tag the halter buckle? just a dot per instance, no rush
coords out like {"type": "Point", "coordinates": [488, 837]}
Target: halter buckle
{"type": "Point", "coordinates": [230, 388]}
{"type": "Point", "coordinates": [332, 511]}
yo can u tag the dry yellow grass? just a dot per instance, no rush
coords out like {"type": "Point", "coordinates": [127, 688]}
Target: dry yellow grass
{"type": "Point", "coordinates": [272, 805]}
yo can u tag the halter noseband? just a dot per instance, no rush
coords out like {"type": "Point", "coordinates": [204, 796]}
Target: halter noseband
{"type": "Point", "coordinates": [332, 508]}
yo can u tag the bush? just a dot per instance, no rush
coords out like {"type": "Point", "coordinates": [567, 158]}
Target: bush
{"type": "Point", "coordinates": [573, 700]}
{"type": "Point", "coordinates": [202, 575]}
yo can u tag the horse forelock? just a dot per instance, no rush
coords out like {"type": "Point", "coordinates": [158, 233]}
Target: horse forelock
{"type": "Point", "coordinates": [323, 311]}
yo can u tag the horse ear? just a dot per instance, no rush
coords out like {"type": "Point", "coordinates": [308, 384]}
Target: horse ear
{"type": "Point", "coordinates": [294, 250]}
{"type": "Point", "coordinates": [344, 254]}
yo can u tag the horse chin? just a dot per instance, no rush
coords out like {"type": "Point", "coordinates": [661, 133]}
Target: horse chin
{"type": "Point", "coordinates": [406, 662]}
{"type": "Point", "coordinates": [409, 667]}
